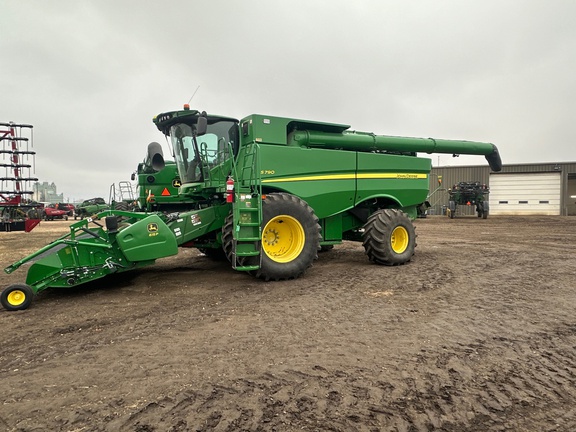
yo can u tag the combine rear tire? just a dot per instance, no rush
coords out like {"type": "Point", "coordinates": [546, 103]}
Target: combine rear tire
{"type": "Point", "coordinates": [389, 237]}
{"type": "Point", "coordinates": [16, 297]}
{"type": "Point", "coordinates": [290, 237]}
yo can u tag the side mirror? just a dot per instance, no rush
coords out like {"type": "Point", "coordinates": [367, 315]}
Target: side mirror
{"type": "Point", "coordinates": [201, 124]}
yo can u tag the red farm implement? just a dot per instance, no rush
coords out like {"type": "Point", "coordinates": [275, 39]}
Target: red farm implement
{"type": "Point", "coordinates": [17, 212]}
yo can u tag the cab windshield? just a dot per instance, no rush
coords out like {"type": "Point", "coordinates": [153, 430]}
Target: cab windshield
{"type": "Point", "coordinates": [196, 162]}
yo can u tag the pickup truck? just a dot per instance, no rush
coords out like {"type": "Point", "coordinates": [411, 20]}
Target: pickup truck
{"type": "Point", "coordinates": [55, 211]}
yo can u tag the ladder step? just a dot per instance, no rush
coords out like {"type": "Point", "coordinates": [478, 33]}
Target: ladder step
{"type": "Point", "coordinates": [246, 254]}
{"type": "Point", "coordinates": [249, 224]}
{"type": "Point", "coordinates": [247, 268]}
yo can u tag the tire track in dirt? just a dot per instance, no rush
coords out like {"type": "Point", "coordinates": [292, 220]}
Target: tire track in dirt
{"type": "Point", "coordinates": [477, 333]}
{"type": "Point", "coordinates": [452, 392]}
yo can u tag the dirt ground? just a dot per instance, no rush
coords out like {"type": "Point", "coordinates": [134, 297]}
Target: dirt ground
{"type": "Point", "coordinates": [476, 333]}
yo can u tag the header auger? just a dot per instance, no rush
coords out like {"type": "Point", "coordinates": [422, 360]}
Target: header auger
{"type": "Point", "coordinates": [265, 193]}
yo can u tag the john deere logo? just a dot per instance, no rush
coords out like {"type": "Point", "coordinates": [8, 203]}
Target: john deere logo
{"type": "Point", "coordinates": [176, 183]}
{"type": "Point", "coordinates": [152, 227]}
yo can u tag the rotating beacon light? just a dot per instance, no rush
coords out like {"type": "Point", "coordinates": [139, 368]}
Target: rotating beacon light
{"type": "Point", "coordinates": [230, 190]}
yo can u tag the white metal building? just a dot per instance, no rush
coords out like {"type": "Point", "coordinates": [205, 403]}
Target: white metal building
{"type": "Point", "coordinates": [524, 189]}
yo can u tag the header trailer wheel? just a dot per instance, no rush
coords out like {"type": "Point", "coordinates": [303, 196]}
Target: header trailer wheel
{"type": "Point", "coordinates": [17, 297]}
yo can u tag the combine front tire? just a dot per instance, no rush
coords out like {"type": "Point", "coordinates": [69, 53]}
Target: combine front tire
{"type": "Point", "coordinates": [228, 237]}
{"type": "Point", "coordinates": [290, 237]}
{"type": "Point", "coordinates": [389, 237]}
{"type": "Point", "coordinates": [16, 297]}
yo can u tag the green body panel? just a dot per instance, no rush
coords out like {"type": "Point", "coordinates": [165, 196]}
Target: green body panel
{"type": "Point", "coordinates": [402, 179]}
{"type": "Point", "coordinates": [148, 239]}
{"type": "Point", "coordinates": [91, 207]}
{"type": "Point", "coordinates": [275, 130]}
{"type": "Point", "coordinates": [339, 180]}
{"type": "Point", "coordinates": [325, 180]}
{"type": "Point", "coordinates": [197, 223]}
{"type": "Point", "coordinates": [332, 228]}
{"type": "Point", "coordinates": [158, 187]}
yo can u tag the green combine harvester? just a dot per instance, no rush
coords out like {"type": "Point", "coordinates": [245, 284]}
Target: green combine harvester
{"type": "Point", "coordinates": [266, 193]}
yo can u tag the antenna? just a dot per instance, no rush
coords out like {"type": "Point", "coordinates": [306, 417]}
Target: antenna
{"type": "Point", "coordinates": [193, 94]}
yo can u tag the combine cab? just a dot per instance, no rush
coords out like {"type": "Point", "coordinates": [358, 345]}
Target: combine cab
{"type": "Point", "coordinates": [17, 212]}
{"type": "Point", "coordinates": [469, 194]}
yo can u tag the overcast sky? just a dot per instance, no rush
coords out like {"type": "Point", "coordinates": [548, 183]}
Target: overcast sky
{"type": "Point", "coordinates": [90, 75]}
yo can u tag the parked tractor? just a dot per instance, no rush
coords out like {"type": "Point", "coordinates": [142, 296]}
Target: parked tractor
{"type": "Point", "coordinates": [90, 207]}
{"type": "Point", "coordinates": [266, 193]}
{"type": "Point", "coordinates": [469, 194]}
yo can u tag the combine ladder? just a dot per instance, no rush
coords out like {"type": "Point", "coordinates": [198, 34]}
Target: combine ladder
{"type": "Point", "coordinates": [122, 193]}
{"type": "Point", "coordinates": [247, 213]}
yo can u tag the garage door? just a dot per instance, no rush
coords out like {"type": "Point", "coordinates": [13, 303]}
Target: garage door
{"type": "Point", "coordinates": [525, 194]}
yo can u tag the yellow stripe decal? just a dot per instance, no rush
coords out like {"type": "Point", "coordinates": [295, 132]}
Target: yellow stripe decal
{"type": "Point", "coordinates": [362, 176]}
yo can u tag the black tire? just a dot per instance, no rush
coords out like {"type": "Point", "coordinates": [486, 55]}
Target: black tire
{"type": "Point", "coordinates": [452, 209]}
{"type": "Point", "coordinates": [228, 237]}
{"type": "Point", "coordinates": [32, 214]}
{"type": "Point", "coordinates": [17, 297]}
{"type": "Point", "coordinates": [290, 238]}
{"type": "Point", "coordinates": [122, 206]}
{"type": "Point", "coordinates": [389, 237]}
{"type": "Point", "coordinates": [480, 209]}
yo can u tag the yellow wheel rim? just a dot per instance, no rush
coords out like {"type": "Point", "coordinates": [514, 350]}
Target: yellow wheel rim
{"type": "Point", "coordinates": [283, 239]}
{"type": "Point", "coordinates": [16, 298]}
{"type": "Point", "coordinates": [399, 239]}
